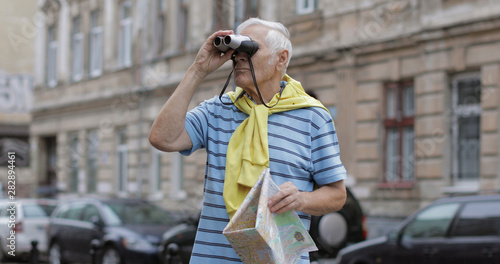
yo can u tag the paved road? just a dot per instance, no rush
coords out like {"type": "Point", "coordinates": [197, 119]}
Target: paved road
{"type": "Point", "coordinates": [324, 261]}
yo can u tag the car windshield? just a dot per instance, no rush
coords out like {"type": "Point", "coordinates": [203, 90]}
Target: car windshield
{"type": "Point", "coordinates": [136, 214]}
{"type": "Point", "coordinates": [37, 210]}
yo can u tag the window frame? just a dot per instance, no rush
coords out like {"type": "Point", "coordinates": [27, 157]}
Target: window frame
{"type": "Point", "coordinates": [244, 9]}
{"type": "Point", "coordinates": [303, 7]}
{"type": "Point", "coordinates": [221, 16]}
{"type": "Point", "coordinates": [125, 35]}
{"type": "Point", "coordinates": [51, 56]}
{"type": "Point", "coordinates": [155, 172]}
{"type": "Point", "coordinates": [74, 161]}
{"type": "Point", "coordinates": [454, 208]}
{"type": "Point", "coordinates": [122, 162]}
{"type": "Point", "coordinates": [96, 44]}
{"type": "Point", "coordinates": [183, 22]}
{"type": "Point", "coordinates": [92, 160]}
{"type": "Point", "coordinates": [483, 223]}
{"type": "Point", "coordinates": [77, 49]}
{"type": "Point", "coordinates": [458, 111]}
{"type": "Point", "coordinates": [159, 36]}
{"type": "Point", "coordinates": [400, 122]}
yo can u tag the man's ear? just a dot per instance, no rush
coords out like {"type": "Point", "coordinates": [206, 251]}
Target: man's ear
{"type": "Point", "coordinates": [283, 57]}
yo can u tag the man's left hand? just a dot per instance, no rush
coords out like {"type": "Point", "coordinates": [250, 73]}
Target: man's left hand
{"type": "Point", "coordinates": [327, 198]}
{"type": "Point", "coordinates": [288, 198]}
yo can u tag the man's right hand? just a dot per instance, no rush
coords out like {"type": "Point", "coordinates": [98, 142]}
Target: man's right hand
{"type": "Point", "coordinates": [168, 132]}
{"type": "Point", "coordinates": [209, 58]}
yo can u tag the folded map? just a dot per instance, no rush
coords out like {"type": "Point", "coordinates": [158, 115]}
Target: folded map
{"type": "Point", "coordinates": [259, 236]}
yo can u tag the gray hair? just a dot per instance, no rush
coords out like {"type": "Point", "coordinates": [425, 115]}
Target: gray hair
{"type": "Point", "coordinates": [278, 38]}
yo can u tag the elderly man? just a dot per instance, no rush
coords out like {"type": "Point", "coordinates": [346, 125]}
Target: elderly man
{"type": "Point", "coordinates": [243, 133]}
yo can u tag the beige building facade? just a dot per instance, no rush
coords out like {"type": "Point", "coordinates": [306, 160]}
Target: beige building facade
{"type": "Point", "coordinates": [17, 20]}
{"type": "Point", "coordinates": [414, 88]}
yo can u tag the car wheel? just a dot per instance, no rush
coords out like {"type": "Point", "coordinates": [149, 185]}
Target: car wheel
{"type": "Point", "coordinates": [333, 229]}
{"type": "Point", "coordinates": [171, 254]}
{"type": "Point", "coordinates": [330, 233]}
{"type": "Point", "coordinates": [55, 254]}
{"type": "Point", "coordinates": [111, 256]}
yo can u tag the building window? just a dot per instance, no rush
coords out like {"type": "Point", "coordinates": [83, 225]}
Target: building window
{"type": "Point", "coordinates": [244, 10]}
{"type": "Point", "coordinates": [96, 44]}
{"type": "Point", "coordinates": [305, 6]}
{"type": "Point", "coordinates": [51, 78]}
{"type": "Point", "coordinates": [92, 159]}
{"type": "Point", "coordinates": [125, 35]}
{"type": "Point", "coordinates": [182, 22]}
{"type": "Point", "coordinates": [19, 145]}
{"type": "Point", "coordinates": [77, 50]}
{"type": "Point", "coordinates": [465, 127]}
{"type": "Point", "coordinates": [221, 14]}
{"type": "Point", "coordinates": [155, 182]}
{"type": "Point", "coordinates": [160, 26]}
{"type": "Point", "coordinates": [74, 160]}
{"type": "Point", "coordinates": [176, 172]}
{"type": "Point", "coordinates": [399, 136]}
{"type": "Point", "coordinates": [122, 162]}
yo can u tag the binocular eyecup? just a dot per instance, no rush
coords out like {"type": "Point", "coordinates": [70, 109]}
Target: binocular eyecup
{"type": "Point", "coordinates": [237, 42]}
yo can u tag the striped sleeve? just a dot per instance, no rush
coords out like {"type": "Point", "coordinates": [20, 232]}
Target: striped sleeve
{"type": "Point", "coordinates": [196, 126]}
{"type": "Point", "coordinates": [325, 155]}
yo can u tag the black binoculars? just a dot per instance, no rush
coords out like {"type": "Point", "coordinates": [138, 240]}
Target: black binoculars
{"type": "Point", "coordinates": [237, 42]}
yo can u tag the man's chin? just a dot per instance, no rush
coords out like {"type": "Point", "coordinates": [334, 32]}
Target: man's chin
{"type": "Point", "coordinates": [243, 81]}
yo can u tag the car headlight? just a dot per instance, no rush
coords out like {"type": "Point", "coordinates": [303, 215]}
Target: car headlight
{"type": "Point", "coordinates": [139, 244]}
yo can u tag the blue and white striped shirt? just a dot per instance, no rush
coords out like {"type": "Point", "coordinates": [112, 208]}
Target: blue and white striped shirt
{"type": "Point", "coordinates": [303, 149]}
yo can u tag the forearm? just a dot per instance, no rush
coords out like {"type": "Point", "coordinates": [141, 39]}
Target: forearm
{"type": "Point", "coordinates": [326, 199]}
{"type": "Point", "coordinates": [167, 132]}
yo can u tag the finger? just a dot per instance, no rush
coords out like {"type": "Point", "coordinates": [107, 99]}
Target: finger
{"type": "Point", "coordinates": [277, 198]}
{"type": "Point", "coordinates": [286, 189]}
{"type": "Point", "coordinates": [284, 205]}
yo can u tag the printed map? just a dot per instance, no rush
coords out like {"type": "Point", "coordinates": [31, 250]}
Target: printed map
{"type": "Point", "coordinates": [259, 236]}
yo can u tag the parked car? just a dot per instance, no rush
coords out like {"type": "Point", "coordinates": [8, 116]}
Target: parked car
{"type": "Point", "coordinates": [334, 231]}
{"type": "Point", "coordinates": [330, 232]}
{"type": "Point", "coordinates": [124, 231]}
{"type": "Point", "coordinates": [177, 243]}
{"type": "Point", "coordinates": [26, 220]}
{"type": "Point", "coordinates": [454, 230]}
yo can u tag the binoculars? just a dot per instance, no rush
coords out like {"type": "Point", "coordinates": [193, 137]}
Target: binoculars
{"type": "Point", "coordinates": [237, 42]}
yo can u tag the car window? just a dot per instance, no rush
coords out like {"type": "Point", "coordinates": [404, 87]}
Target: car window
{"type": "Point", "coordinates": [479, 219]}
{"type": "Point", "coordinates": [62, 212]}
{"type": "Point", "coordinates": [140, 213]}
{"type": "Point", "coordinates": [75, 211]}
{"type": "Point", "coordinates": [90, 211]}
{"type": "Point", "coordinates": [3, 210]}
{"type": "Point", "coordinates": [110, 216]}
{"type": "Point", "coordinates": [431, 222]}
{"type": "Point", "coordinates": [36, 210]}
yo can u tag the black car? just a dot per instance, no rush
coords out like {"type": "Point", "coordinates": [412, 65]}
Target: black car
{"type": "Point", "coordinates": [122, 230]}
{"type": "Point", "coordinates": [334, 231]}
{"type": "Point", "coordinates": [456, 230]}
{"type": "Point", "coordinates": [330, 232]}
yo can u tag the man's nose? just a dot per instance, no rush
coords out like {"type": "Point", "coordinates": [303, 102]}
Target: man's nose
{"type": "Point", "coordinates": [241, 57]}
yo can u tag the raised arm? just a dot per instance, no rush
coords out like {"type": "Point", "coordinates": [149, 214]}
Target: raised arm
{"type": "Point", "coordinates": [168, 132]}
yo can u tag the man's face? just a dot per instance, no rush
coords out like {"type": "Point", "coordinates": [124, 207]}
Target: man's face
{"type": "Point", "coordinates": [264, 71]}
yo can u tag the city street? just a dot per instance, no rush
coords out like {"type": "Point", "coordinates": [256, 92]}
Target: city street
{"type": "Point", "coordinates": [367, 115]}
